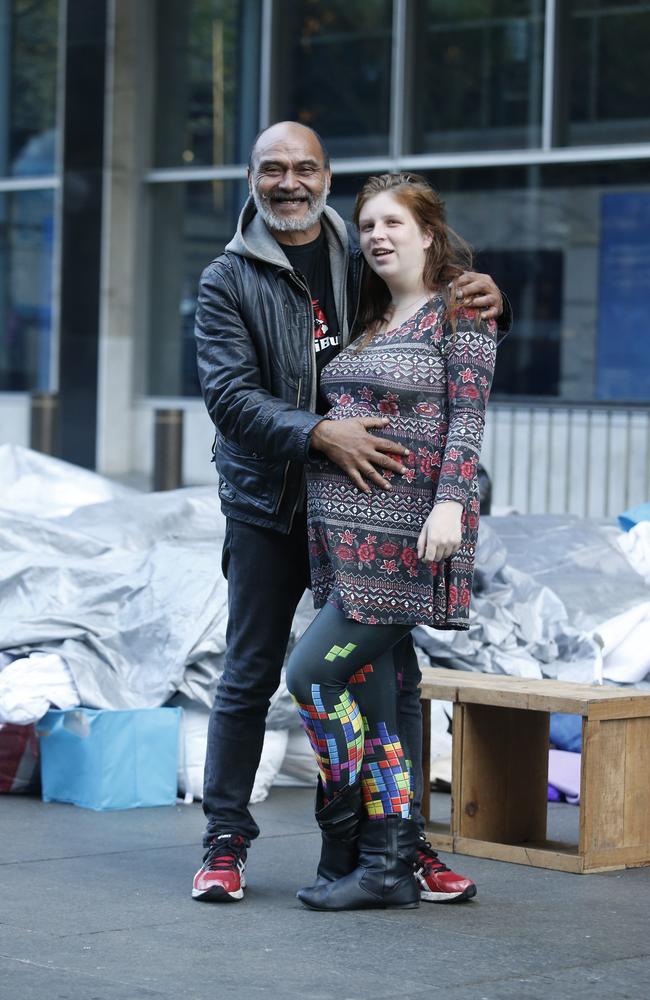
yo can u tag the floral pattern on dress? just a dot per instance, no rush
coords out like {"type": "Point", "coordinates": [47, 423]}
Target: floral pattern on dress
{"type": "Point", "coordinates": [433, 383]}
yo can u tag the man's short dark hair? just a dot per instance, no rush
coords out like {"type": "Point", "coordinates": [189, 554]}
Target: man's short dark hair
{"type": "Point", "coordinates": [326, 155]}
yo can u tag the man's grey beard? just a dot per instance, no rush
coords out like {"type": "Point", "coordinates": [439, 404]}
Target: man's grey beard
{"type": "Point", "coordinates": [288, 225]}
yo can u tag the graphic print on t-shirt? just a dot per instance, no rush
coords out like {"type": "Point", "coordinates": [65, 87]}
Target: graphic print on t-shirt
{"type": "Point", "coordinates": [321, 328]}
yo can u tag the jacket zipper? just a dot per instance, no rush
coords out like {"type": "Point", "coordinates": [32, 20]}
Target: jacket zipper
{"type": "Point", "coordinates": [286, 469]}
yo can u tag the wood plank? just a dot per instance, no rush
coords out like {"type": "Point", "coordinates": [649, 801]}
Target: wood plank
{"type": "Point", "coordinates": [535, 694]}
{"type": "Point", "coordinates": [621, 857]}
{"type": "Point", "coordinates": [546, 855]}
{"type": "Point", "coordinates": [504, 774]}
{"type": "Point", "coordinates": [632, 707]}
{"type": "Point", "coordinates": [637, 786]}
{"type": "Point", "coordinates": [457, 726]}
{"type": "Point", "coordinates": [603, 792]}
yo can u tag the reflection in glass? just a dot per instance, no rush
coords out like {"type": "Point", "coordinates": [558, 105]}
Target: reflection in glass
{"type": "Point", "coordinates": [207, 81]}
{"type": "Point", "coordinates": [477, 82]}
{"type": "Point", "coordinates": [28, 71]}
{"type": "Point", "coordinates": [26, 238]}
{"type": "Point", "coordinates": [333, 71]}
{"type": "Point", "coordinates": [605, 71]}
{"type": "Point", "coordinates": [191, 225]}
{"type": "Point", "coordinates": [570, 245]}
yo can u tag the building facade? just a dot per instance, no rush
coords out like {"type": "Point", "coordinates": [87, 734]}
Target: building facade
{"type": "Point", "coordinates": [124, 135]}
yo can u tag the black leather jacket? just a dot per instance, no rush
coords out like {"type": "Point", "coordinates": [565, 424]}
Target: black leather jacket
{"type": "Point", "coordinates": [257, 365]}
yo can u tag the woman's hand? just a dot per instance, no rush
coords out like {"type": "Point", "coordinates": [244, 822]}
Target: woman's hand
{"type": "Point", "coordinates": [441, 533]}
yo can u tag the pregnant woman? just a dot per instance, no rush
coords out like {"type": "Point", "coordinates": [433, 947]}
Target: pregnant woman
{"type": "Point", "coordinates": [386, 559]}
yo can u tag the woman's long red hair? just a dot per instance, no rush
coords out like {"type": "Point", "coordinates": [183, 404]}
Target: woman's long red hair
{"type": "Point", "coordinates": [446, 258]}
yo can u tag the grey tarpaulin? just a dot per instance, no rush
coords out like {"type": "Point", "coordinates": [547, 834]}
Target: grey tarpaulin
{"type": "Point", "coordinates": [542, 584]}
{"type": "Point", "coordinates": [129, 591]}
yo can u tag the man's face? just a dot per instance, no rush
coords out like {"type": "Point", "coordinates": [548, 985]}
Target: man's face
{"type": "Point", "coordinates": [288, 180]}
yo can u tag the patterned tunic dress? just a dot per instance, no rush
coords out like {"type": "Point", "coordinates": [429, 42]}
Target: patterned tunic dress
{"type": "Point", "coordinates": [433, 383]}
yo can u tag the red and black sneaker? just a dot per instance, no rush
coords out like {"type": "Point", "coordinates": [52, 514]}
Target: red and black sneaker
{"type": "Point", "coordinates": [438, 884]}
{"type": "Point", "coordinates": [220, 879]}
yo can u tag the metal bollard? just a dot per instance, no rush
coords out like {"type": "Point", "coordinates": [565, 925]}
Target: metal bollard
{"type": "Point", "coordinates": [168, 450]}
{"type": "Point", "coordinates": [44, 423]}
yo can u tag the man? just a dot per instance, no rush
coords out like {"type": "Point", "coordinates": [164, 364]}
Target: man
{"type": "Point", "coordinates": [273, 309]}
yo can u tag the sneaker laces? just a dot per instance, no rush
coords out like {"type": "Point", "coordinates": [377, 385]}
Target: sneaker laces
{"type": "Point", "coordinates": [429, 859]}
{"type": "Point", "coordinates": [223, 854]}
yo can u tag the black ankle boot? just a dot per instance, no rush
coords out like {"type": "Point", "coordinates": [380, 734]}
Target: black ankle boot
{"type": "Point", "coordinates": [384, 875]}
{"type": "Point", "coordinates": [339, 823]}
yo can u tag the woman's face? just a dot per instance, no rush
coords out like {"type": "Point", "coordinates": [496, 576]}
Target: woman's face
{"type": "Point", "coordinates": [391, 240]}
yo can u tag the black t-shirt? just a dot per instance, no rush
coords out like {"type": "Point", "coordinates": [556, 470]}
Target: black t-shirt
{"type": "Point", "coordinates": [312, 261]}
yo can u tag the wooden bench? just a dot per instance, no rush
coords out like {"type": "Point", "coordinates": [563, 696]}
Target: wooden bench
{"type": "Point", "coordinates": [500, 770]}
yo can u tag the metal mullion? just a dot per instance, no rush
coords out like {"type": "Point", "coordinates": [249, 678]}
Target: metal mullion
{"type": "Point", "coordinates": [47, 182]}
{"type": "Point", "coordinates": [550, 62]}
{"type": "Point", "coordinates": [266, 63]}
{"type": "Point", "coordinates": [397, 83]}
{"type": "Point", "coordinates": [175, 175]}
{"type": "Point", "coordinates": [497, 158]}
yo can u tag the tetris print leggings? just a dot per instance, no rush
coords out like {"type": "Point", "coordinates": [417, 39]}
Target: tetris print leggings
{"type": "Point", "coordinates": [344, 679]}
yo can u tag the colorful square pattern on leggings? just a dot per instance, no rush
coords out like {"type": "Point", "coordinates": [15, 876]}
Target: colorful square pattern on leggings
{"type": "Point", "coordinates": [334, 756]}
{"type": "Point", "coordinates": [386, 781]}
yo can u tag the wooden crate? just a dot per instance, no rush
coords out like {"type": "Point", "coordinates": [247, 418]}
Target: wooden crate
{"type": "Point", "coordinates": [500, 768]}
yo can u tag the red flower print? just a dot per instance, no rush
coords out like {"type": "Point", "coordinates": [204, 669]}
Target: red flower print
{"type": "Point", "coordinates": [346, 537]}
{"type": "Point", "coordinates": [372, 620]}
{"type": "Point", "coordinates": [345, 400]}
{"type": "Point", "coordinates": [366, 394]}
{"type": "Point", "coordinates": [468, 392]}
{"type": "Point", "coordinates": [409, 475]}
{"type": "Point", "coordinates": [428, 320]}
{"type": "Point", "coordinates": [468, 375]}
{"type": "Point", "coordinates": [452, 390]}
{"type": "Point", "coordinates": [366, 553]}
{"type": "Point", "coordinates": [436, 459]}
{"type": "Point", "coordinates": [427, 409]}
{"type": "Point", "coordinates": [390, 566]}
{"type": "Point", "coordinates": [425, 465]}
{"type": "Point", "coordinates": [345, 553]}
{"type": "Point", "coordinates": [388, 549]}
{"type": "Point", "coordinates": [473, 521]}
{"type": "Point", "coordinates": [467, 470]}
{"type": "Point", "coordinates": [389, 404]}
{"type": "Point", "coordinates": [465, 597]}
{"type": "Point", "coordinates": [409, 556]}
{"type": "Point", "coordinates": [448, 469]}
{"type": "Point", "coordinates": [371, 539]}
{"type": "Point", "coordinates": [409, 460]}
{"type": "Point", "coordinates": [453, 596]}
{"type": "Point", "coordinates": [315, 549]}
{"type": "Point", "coordinates": [453, 454]}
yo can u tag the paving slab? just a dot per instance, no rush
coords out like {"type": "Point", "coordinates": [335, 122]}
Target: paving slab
{"type": "Point", "coordinates": [96, 906]}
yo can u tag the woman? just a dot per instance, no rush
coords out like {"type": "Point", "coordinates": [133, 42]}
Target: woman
{"type": "Point", "coordinates": [385, 560]}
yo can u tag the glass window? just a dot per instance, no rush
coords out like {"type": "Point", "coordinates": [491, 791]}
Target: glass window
{"type": "Point", "coordinates": [26, 237]}
{"type": "Point", "coordinates": [207, 81]}
{"type": "Point", "coordinates": [332, 69]}
{"type": "Point", "coordinates": [605, 71]}
{"type": "Point", "coordinates": [28, 77]}
{"type": "Point", "coordinates": [477, 79]}
{"type": "Point", "coordinates": [191, 225]}
{"type": "Point", "coordinates": [570, 245]}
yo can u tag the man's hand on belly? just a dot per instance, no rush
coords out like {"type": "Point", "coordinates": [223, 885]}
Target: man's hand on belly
{"type": "Point", "coordinates": [348, 444]}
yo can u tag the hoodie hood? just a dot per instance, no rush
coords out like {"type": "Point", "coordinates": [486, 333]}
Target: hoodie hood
{"type": "Point", "coordinates": [254, 240]}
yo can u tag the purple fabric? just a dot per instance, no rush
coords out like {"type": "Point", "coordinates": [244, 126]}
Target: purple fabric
{"type": "Point", "coordinates": [564, 773]}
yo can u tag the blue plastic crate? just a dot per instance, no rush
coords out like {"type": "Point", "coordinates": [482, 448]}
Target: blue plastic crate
{"type": "Point", "coordinates": [102, 759]}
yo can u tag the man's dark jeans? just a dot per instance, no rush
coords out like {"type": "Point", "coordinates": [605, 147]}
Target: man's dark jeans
{"type": "Point", "coordinates": [267, 573]}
